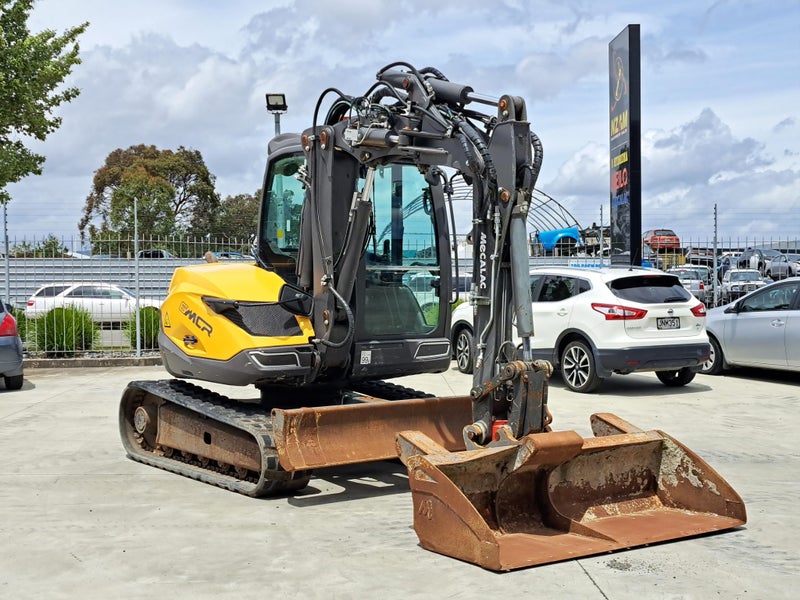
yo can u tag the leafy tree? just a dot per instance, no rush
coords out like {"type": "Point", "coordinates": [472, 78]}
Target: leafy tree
{"type": "Point", "coordinates": [238, 216]}
{"type": "Point", "coordinates": [174, 191]}
{"type": "Point", "coordinates": [32, 67]}
{"type": "Point", "coordinates": [50, 247]}
{"type": "Point", "coordinates": [150, 195]}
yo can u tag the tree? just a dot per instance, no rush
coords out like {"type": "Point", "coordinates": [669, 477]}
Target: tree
{"type": "Point", "coordinates": [32, 67]}
{"type": "Point", "coordinates": [174, 192]}
{"type": "Point", "coordinates": [50, 247]}
{"type": "Point", "coordinates": [238, 216]}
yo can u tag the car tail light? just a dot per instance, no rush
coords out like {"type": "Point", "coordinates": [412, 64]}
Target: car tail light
{"type": "Point", "coordinates": [30, 302]}
{"type": "Point", "coordinates": [699, 310]}
{"type": "Point", "coordinates": [8, 327]}
{"type": "Point", "coordinates": [617, 312]}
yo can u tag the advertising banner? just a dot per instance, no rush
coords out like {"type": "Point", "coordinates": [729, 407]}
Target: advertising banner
{"type": "Point", "coordinates": [625, 144]}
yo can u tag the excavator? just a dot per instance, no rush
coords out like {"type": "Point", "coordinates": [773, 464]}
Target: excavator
{"type": "Point", "coordinates": [352, 286]}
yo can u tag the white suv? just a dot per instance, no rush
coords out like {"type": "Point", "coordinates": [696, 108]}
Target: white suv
{"type": "Point", "coordinates": [591, 323]}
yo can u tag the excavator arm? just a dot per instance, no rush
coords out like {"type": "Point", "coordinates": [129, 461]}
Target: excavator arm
{"type": "Point", "coordinates": [418, 117]}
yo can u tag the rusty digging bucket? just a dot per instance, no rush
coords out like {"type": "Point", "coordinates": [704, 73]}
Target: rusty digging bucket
{"type": "Point", "coordinates": [555, 496]}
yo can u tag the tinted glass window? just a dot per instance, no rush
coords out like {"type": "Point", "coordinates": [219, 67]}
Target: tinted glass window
{"type": "Point", "coordinates": [535, 281]}
{"type": "Point", "coordinates": [556, 288]}
{"type": "Point", "coordinates": [87, 291]}
{"type": "Point", "coordinates": [746, 276]}
{"type": "Point", "coordinates": [650, 289]}
{"type": "Point", "coordinates": [772, 298]}
{"type": "Point", "coordinates": [51, 290]}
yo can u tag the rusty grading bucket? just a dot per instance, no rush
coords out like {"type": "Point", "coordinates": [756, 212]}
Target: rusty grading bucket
{"type": "Point", "coordinates": [556, 496]}
{"type": "Point", "coordinates": [327, 436]}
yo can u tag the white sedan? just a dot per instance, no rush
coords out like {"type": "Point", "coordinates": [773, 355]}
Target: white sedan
{"type": "Point", "coordinates": [107, 303]}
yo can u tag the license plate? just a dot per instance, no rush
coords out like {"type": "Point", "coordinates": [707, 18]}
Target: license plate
{"type": "Point", "coordinates": [668, 322]}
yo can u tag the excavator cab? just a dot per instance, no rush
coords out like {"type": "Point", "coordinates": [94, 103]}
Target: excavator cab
{"type": "Point", "coordinates": [400, 282]}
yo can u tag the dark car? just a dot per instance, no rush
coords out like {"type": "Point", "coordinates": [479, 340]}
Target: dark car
{"type": "Point", "coordinates": [10, 350]}
{"type": "Point", "coordinates": [155, 253]}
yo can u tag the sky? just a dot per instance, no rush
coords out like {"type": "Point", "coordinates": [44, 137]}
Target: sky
{"type": "Point", "coordinates": [720, 95]}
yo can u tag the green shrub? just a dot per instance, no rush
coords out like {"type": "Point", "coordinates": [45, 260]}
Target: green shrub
{"type": "Point", "coordinates": [62, 331]}
{"type": "Point", "coordinates": [149, 325]}
{"type": "Point", "coordinates": [22, 323]}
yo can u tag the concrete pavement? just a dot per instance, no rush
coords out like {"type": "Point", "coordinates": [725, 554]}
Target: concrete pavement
{"type": "Point", "coordinates": [80, 520]}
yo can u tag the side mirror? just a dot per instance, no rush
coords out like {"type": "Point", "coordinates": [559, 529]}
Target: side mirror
{"type": "Point", "coordinates": [296, 300]}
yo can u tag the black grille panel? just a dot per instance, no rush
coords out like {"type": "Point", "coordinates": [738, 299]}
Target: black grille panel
{"type": "Point", "coordinates": [258, 318]}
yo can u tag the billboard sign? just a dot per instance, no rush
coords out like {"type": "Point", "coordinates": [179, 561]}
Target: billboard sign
{"type": "Point", "coordinates": [625, 144]}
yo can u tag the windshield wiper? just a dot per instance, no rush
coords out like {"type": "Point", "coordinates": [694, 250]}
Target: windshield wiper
{"type": "Point", "coordinates": [674, 299]}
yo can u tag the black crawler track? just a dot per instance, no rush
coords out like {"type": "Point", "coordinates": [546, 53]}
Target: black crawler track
{"type": "Point", "coordinates": [251, 417]}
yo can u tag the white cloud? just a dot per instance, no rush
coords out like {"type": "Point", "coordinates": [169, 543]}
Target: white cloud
{"type": "Point", "coordinates": [720, 113]}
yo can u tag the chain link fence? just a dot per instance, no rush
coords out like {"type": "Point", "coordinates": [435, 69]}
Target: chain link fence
{"type": "Point", "coordinates": [107, 293]}
{"type": "Point", "coordinates": [72, 298]}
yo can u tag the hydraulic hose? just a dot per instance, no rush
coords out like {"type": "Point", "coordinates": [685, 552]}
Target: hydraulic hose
{"type": "Point", "coordinates": [477, 141]}
{"type": "Point", "coordinates": [350, 322]}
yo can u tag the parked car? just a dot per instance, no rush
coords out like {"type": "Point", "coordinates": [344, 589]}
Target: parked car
{"type": "Point", "coordinates": [10, 350]}
{"type": "Point", "coordinates": [755, 258]}
{"type": "Point", "coordinates": [782, 266]}
{"type": "Point", "coordinates": [155, 253]}
{"type": "Point", "coordinates": [226, 255]}
{"type": "Point", "coordinates": [591, 323]}
{"type": "Point", "coordinates": [724, 266]}
{"type": "Point", "coordinates": [692, 279]}
{"type": "Point", "coordinates": [761, 329]}
{"type": "Point", "coordinates": [705, 273]}
{"type": "Point", "coordinates": [737, 282]}
{"type": "Point", "coordinates": [107, 303]}
{"type": "Point", "coordinates": [661, 239]}
{"type": "Point", "coordinates": [699, 256]}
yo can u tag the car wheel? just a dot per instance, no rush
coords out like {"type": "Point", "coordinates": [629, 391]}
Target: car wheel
{"type": "Point", "coordinates": [676, 378]}
{"type": "Point", "coordinates": [578, 369]}
{"type": "Point", "coordinates": [713, 366]}
{"type": "Point", "coordinates": [464, 351]}
{"type": "Point", "coordinates": [13, 382]}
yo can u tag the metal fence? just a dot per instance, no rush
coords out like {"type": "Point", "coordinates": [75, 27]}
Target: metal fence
{"type": "Point", "coordinates": [146, 267]}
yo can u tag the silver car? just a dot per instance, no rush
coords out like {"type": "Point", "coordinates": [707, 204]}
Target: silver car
{"type": "Point", "coordinates": [692, 280]}
{"type": "Point", "coordinates": [761, 329]}
{"type": "Point", "coordinates": [785, 265]}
